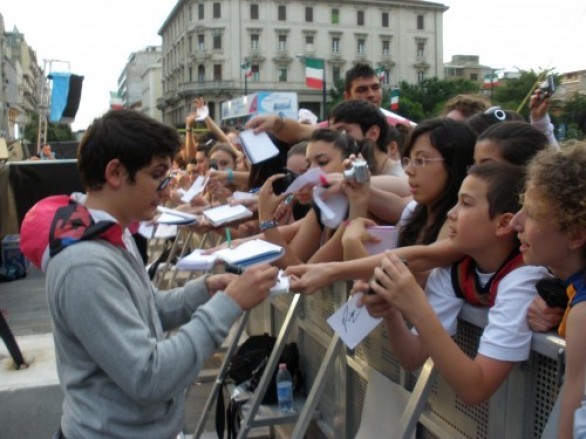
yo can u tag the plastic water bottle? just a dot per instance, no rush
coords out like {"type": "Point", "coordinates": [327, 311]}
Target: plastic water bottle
{"type": "Point", "coordinates": [284, 389]}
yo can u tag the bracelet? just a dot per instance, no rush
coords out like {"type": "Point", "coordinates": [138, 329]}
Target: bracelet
{"type": "Point", "coordinates": [265, 225]}
{"type": "Point", "coordinates": [230, 175]}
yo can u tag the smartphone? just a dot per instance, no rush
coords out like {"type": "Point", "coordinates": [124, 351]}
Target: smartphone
{"type": "Point", "coordinates": [281, 185]}
{"type": "Point", "coordinates": [371, 291]}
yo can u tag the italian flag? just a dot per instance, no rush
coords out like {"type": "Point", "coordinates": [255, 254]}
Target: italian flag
{"type": "Point", "coordinates": [382, 75]}
{"type": "Point", "coordinates": [491, 80]}
{"type": "Point", "coordinates": [247, 69]}
{"type": "Point", "coordinates": [314, 73]}
{"type": "Point", "coordinates": [395, 99]}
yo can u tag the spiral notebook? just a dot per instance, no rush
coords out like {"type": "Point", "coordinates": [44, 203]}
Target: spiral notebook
{"type": "Point", "coordinates": [176, 217]}
{"type": "Point", "coordinates": [226, 213]}
{"type": "Point", "coordinates": [249, 253]}
{"type": "Point", "coordinates": [258, 147]}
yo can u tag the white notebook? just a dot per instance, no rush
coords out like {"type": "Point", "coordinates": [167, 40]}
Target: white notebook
{"type": "Point", "coordinates": [226, 213]}
{"type": "Point", "coordinates": [250, 253]}
{"type": "Point", "coordinates": [197, 261]}
{"type": "Point", "coordinates": [172, 216]}
{"type": "Point", "coordinates": [258, 147]}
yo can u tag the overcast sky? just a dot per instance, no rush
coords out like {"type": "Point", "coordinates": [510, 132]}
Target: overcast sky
{"type": "Point", "coordinates": [97, 37]}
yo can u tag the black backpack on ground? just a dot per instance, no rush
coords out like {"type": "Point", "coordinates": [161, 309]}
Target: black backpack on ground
{"type": "Point", "coordinates": [246, 370]}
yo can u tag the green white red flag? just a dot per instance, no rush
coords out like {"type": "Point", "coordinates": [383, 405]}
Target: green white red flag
{"type": "Point", "coordinates": [314, 73]}
{"type": "Point", "coordinates": [491, 80]}
{"type": "Point", "coordinates": [381, 73]}
{"type": "Point", "coordinates": [247, 69]}
{"type": "Point", "coordinates": [395, 99]}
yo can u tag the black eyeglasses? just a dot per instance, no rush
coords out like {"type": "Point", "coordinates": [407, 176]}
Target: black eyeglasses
{"type": "Point", "coordinates": [164, 183]}
{"type": "Point", "coordinates": [497, 112]}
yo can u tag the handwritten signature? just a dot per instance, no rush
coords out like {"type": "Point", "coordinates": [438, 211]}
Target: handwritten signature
{"type": "Point", "coordinates": [350, 316]}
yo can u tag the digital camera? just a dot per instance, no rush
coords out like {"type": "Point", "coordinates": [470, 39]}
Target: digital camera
{"type": "Point", "coordinates": [281, 185]}
{"type": "Point", "coordinates": [547, 87]}
{"type": "Point", "coordinates": [358, 172]}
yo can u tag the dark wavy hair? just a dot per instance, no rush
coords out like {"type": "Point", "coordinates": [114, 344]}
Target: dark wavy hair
{"type": "Point", "coordinates": [127, 135]}
{"type": "Point", "coordinates": [347, 145]}
{"type": "Point", "coordinates": [454, 140]}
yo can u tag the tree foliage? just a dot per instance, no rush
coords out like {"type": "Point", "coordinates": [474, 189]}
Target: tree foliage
{"type": "Point", "coordinates": [56, 132]}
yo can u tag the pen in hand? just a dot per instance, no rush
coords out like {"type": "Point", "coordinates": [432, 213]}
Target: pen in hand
{"type": "Point", "coordinates": [228, 237]}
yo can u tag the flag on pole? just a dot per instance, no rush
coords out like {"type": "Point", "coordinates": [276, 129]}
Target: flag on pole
{"type": "Point", "coordinates": [382, 74]}
{"type": "Point", "coordinates": [116, 102]}
{"type": "Point", "coordinates": [395, 99]}
{"type": "Point", "coordinates": [247, 69]}
{"type": "Point", "coordinates": [491, 80]}
{"type": "Point", "coordinates": [65, 96]}
{"type": "Point", "coordinates": [314, 73]}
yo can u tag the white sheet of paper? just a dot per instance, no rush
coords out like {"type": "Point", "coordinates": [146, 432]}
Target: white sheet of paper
{"type": "Point", "coordinates": [352, 323]}
{"type": "Point", "coordinates": [146, 229]}
{"type": "Point", "coordinates": [311, 176]}
{"type": "Point", "coordinates": [196, 188]}
{"type": "Point", "coordinates": [282, 285]}
{"type": "Point", "coordinates": [333, 208]}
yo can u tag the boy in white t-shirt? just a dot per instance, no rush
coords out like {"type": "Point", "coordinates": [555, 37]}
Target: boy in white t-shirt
{"type": "Point", "coordinates": [491, 275]}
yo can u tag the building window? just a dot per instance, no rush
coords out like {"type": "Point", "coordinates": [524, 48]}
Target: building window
{"type": "Point", "coordinates": [282, 74]}
{"type": "Point", "coordinates": [217, 72]}
{"type": "Point", "coordinates": [360, 46]}
{"type": "Point", "coordinates": [309, 43]}
{"type": "Point", "coordinates": [200, 11]}
{"type": "Point", "coordinates": [255, 72]}
{"type": "Point", "coordinates": [420, 76]}
{"type": "Point", "coordinates": [473, 76]}
{"type": "Point", "coordinates": [335, 45]}
{"type": "Point", "coordinates": [254, 11]}
{"type": "Point", "coordinates": [217, 10]}
{"type": "Point", "coordinates": [282, 13]}
{"type": "Point", "coordinates": [385, 19]}
{"type": "Point", "coordinates": [309, 14]}
{"type": "Point", "coordinates": [420, 22]}
{"type": "Point", "coordinates": [386, 47]}
{"type": "Point", "coordinates": [282, 42]}
{"type": "Point", "coordinates": [360, 18]}
{"type": "Point", "coordinates": [336, 74]}
{"type": "Point", "coordinates": [420, 49]}
{"type": "Point", "coordinates": [254, 41]}
{"type": "Point", "coordinates": [201, 43]}
{"type": "Point", "coordinates": [335, 16]}
{"type": "Point", "coordinates": [217, 41]}
{"type": "Point", "coordinates": [201, 73]}
{"type": "Point", "coordinates": [190, 74]}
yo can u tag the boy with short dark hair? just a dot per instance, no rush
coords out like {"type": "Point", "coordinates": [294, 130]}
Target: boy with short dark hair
{"type": "Point", "coordinates": [121, 375]}
{"type": "Point", "coordinates": [491, 275]}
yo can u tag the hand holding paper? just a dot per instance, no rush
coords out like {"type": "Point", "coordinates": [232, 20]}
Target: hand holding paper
{"type": "Point", "coordinates": [353, 323]}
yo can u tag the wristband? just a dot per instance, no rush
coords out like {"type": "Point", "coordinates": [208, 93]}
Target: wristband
{"type": "Point", "coordinates": [265, 225]}
{"type": "Point", "coordinates": [230, 175]}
